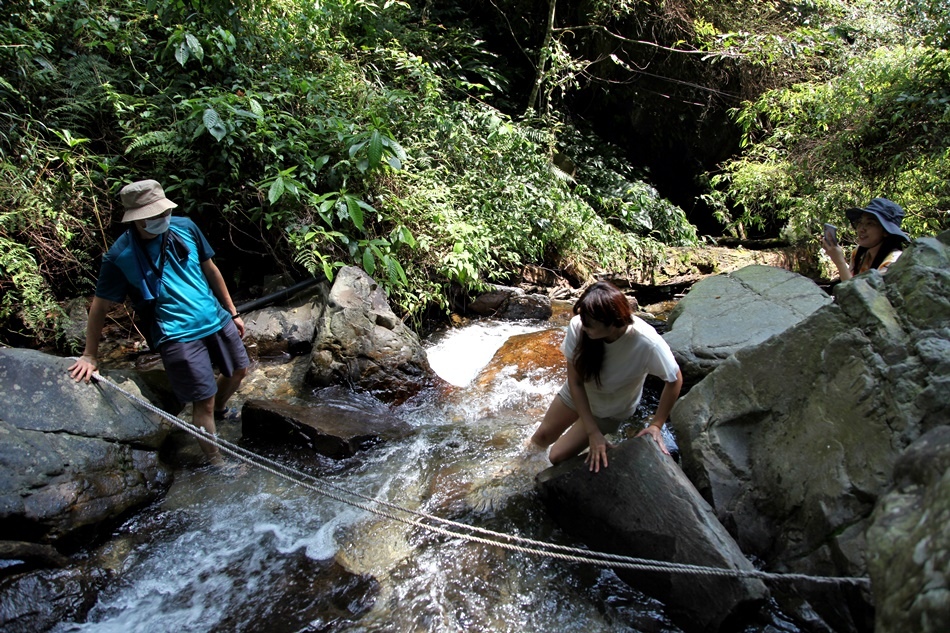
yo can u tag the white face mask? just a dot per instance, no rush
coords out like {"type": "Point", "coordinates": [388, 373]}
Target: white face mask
{"type": "Point", "coordinates": [157, 226]}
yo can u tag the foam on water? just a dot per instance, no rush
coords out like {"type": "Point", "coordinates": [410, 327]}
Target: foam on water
{"type": "Point", "coordinates": [219, 543]}
{"type": "Point", "coordinates": [318, 545]}
{"type": "Point", "coordinates": [457, 355]}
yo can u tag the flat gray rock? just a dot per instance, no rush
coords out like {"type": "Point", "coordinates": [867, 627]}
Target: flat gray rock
{"type": "Point", "coordinates": [643, 506]}
{"type": "Point", "coordinates": [726, 313]}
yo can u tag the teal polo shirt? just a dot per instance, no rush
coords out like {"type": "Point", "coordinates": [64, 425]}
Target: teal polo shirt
{"type": "Point", "coordinates": [186, 308]}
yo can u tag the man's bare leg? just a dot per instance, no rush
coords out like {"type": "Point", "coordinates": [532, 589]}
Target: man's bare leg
{"type": "Point", "coordinates": [227, 385]}
{"type": "Point", "coordinates": [202, 416]}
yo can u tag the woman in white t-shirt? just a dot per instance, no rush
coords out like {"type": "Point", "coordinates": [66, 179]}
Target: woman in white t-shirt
{"type": "Point", "coordinates": [609, 353]}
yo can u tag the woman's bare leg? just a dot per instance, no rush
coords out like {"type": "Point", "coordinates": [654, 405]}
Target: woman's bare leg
{"type": "Point", "coordinates": [558, 419]}
{"type": "Point", "coordinates": [572, 443]}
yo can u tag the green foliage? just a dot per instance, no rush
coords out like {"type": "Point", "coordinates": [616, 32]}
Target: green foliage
{"type": "Point", "coordinates": [815, 149]}
{"type": "Point", "coordinates": [321, 133]}
{"type": "Point", "coordinates": [458, 58]}
{"type": "Point", "coordinates": [777, 44]}
{"type": "Point", "coordinates": [620, 195]}
{"type": "Point", "coordinates": [356, 132]}
{"type": "Point", "coordinates": [927, 19]}
{"type": "Point", "coordinates": [482, 202]}
{"type": "Point", "coordinates": [40, 221]}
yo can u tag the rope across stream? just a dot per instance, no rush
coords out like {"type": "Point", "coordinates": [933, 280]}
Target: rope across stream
{"type": "Point", "coordinates": [455, 529]}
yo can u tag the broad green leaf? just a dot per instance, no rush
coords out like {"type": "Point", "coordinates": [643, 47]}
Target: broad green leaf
{"type": "Point", "coordinates": [182, 54]}
{"type": "Point", "coordinates": [374, 151]}
{"type": "Point", "coordinates": [355, 148]}
{"type": "Point", "coordinates": [395, 148]}
{"type": "Point", "coordinates": [356, 213]}
{"type": "Point", "coordinates": [324, 211]}
{"type": "Point", "coordinates": [214, 124]}
{"type": "Point", "coordinates": [365, 206]}
{"type": "Point", "coordinates": [194, 46]}
{"type": "Point", "coordinates": [402, 235]}
{"type": "Point", "coordinates": [369, 262]}
{"type": "Point", "coordinates": [276, 190]}
{"type": "Point", "coordinates": [394, 265]}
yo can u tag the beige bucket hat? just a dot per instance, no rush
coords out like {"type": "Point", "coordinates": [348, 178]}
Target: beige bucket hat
{"type": "Point", "coordinates": [144, 199]}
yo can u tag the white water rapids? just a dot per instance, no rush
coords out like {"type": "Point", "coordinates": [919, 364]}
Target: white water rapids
{"type": "Point", "coordinates": [240, 553]}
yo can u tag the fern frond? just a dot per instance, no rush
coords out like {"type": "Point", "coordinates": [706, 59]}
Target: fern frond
{"type": "Point", "coordinates": [81, 90]}
{"type": "Point", "coordinates": [309, 259]}
{"type": "Point", "coordinates": [559, 173]}
{"type": "Point", "coordinates": [159, 142]}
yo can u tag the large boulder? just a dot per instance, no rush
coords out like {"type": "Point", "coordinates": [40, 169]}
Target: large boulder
{"type": "Point", "coordinates": [725, 313]}
{"type": "Point", "coordinates": [286, 329]}
{"type": "Point", "coordinates": [643, 506]}
{"type": "Point", "coordinates": [332, 430]}
{"type": "Point", "coordinates": [793, 440]}
{"type": "Point", "coordinates": [909, 543]}
{"type": "Point", "coordinates": [512, 304]}
{"type": "Point", "coordinates": [525, 356]}
{"type": "Point", "coordinates": [359, 341]}
{"type": "Point", "coordinates": [73, 455]}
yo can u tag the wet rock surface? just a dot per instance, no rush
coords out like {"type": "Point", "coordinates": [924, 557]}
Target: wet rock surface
{"type": "Point", "coordinates": [73, 455]}
{"type": "Point", "coordinates": [794, 441]}
{"type": "Point", "coordinates": [643, 506]}
{"type": "Point", "coordinates": [38, 600]}
{"type": "Point", "coordinates": [332, 430]}
{"type": "Point", "coordinates": [848, 396]}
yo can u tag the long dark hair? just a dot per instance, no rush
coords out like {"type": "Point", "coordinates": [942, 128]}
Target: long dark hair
{"type": "Point", "coordinates": [604, 303]}
{"type": "Point", "coordinates": [889, 244]}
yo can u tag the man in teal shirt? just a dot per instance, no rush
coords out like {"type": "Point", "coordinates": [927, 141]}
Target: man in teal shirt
{"type": "Point", "coordinates": [164, 264]}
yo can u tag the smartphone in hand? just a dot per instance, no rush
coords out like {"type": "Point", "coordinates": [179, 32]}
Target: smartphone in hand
{"type": "Point", "coordinates": [831, 234]}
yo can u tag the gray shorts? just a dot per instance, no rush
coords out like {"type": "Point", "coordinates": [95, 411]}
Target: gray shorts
{"type": "Point", "coordinates": [190, 365]}
{"type": "Point", "coordinates": [606, 425]}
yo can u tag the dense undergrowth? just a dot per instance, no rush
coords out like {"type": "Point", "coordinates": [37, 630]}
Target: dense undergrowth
{"type": "Point", "coordinates": [866, 113]}
{"type": "Point", "coordinates": [312, 135]}
{"type": "Point", "coordinates": [306, 136]}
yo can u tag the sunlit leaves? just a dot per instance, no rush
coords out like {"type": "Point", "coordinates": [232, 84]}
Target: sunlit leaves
{"type": "Point", "coordinates": [374, 147]}
{"type": "Point", "coordinates": [814, 149]}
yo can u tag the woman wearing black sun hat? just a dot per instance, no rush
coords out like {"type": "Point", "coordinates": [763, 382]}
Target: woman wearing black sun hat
{"type": "Point", "coordinates": [879, 237]}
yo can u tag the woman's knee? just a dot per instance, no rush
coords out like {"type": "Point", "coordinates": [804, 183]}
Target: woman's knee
{"type": "Point", "coordinates": [545, 435]}
{"type": "Point", "coordinates": [562, 451]}
{"type": "Point", "coordinates": [556, 457]}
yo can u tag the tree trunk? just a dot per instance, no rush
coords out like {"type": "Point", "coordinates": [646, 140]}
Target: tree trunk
{"type": "Point", "coordinates": [542, 59]}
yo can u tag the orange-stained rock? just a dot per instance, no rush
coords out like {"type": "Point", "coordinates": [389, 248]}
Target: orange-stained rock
{"type": "Point", "coordinates": [529, 354]}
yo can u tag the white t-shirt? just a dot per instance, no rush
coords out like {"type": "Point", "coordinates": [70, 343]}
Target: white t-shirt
{"type": "Point", "coordinates": [627, 361]}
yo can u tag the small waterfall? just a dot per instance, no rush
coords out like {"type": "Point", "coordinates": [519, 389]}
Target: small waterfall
{"type": "Point", "coordinates": [254, 552]}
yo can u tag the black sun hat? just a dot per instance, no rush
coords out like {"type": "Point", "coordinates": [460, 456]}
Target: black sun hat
{"type": "Point", "coordinates": [889, 214]}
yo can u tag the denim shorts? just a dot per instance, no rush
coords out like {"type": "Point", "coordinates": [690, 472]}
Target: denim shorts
{"type": "Point", "coordinates": [190, 365]}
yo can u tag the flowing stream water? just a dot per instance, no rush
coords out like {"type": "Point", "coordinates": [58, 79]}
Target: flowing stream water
{"type": "Point", "coordinates": [253, 552]}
